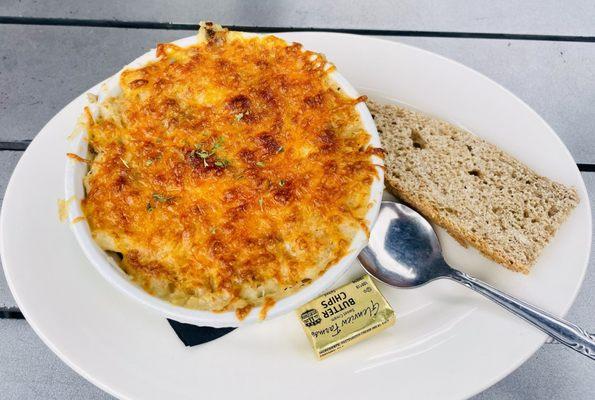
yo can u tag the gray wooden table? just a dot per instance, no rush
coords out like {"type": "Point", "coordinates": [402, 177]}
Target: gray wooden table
{"type": "Point", "coordinates": [51, 51]}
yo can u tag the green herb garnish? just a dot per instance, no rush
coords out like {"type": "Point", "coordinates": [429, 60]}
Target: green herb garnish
{"type": "Point", "coordinates": [260, 164]}
{"type": "Point", "coordinates": [161, 199]}
{"type": "Point", "coordinates": [239, 116]}
{"type": "Point", "coordinates": [282, 182]}
{"type": "Point", "coordinates": [218, 143]}
{"type": "Point", "coordinates": [199, 153]}
{"type": "Point", "coordinates": [260, 203]}
{"type": "Point", "coordinates": [222, 162]}
{"type": "Point", "coordinates": [149, 207]}
{"type": "Point", "coordinates": [204, 154]}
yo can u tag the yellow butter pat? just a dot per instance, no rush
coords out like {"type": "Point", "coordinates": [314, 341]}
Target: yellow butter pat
{"type": "Point", "coordinates": [345, 316]}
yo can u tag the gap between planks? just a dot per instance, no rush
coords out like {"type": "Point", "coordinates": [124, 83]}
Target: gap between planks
{"type": "Point", "coordinates": [21, 145]}
{"type": "Point", "coordinates": [11, 313]}
{"type": "Point", "coordinates": [105, 23]}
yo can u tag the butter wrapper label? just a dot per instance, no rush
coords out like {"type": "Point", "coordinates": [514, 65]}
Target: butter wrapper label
{"type": "Point", "coordinates": [345, 316]}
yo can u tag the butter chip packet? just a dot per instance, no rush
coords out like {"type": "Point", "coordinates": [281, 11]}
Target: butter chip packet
{"type": "Point", "coordinates": [345, 316]}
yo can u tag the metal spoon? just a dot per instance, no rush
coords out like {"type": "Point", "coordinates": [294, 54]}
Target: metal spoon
{"type": "Point", "coordinates": [404, 251]}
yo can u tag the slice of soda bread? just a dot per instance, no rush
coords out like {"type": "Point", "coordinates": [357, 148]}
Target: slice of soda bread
{"type": "Point", "coordinates": [478, 193]}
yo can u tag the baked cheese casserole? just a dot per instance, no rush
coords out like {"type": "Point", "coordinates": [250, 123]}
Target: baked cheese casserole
{"type": "Point", "coordinates": [227, 174]}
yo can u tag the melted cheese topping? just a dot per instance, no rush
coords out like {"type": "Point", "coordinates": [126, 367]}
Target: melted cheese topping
{"type": "Point", "coordinates": [229, 173]}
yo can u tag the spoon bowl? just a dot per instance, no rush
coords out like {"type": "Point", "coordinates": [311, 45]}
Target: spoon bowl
{"type": "Point", "coordinates": [403, 249]}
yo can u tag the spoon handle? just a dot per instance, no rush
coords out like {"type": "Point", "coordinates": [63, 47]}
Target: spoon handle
{"type": "Point", "coordinates": [565, 332]}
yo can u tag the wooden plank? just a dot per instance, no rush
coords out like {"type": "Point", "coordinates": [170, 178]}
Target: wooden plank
{"type": "Point", "coordinates": [29, 370]}
{"type": "Point", "coordinates": [554, 372]}
{"type": "Point", "coordinates": [46, 67]}
{"type": "Point", "coordinates": [527, 17]}
{"type": "Point", "coordinates": [556, 79]}
{"type": "Point", "coordinates": [581, 311]}
{"type": "Point", "coordinates": [8, 160]}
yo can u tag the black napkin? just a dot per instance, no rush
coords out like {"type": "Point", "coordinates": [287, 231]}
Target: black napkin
{"type": "Point", "coordinates": [192, 335]}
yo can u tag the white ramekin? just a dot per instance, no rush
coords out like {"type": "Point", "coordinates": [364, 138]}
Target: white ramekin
{"type": "Point", "coordinates": [75, 171]}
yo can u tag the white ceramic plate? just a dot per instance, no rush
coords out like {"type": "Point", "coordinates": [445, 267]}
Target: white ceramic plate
{"type": "Point", "coordinates": [448, 343]}
{"type": "Point", "coordinates": [107, 267]}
